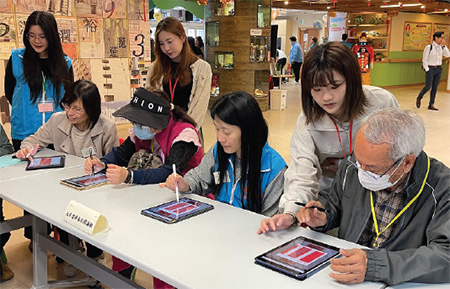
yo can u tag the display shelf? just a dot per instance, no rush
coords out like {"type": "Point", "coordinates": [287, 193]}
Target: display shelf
{"type": "Point", "coordinates": [376, 37]}
{"type": "Point", "coordinates": [377, 29]}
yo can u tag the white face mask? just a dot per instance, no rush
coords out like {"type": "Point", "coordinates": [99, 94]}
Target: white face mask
{"type": "Point", "coordinates": [374, 182]}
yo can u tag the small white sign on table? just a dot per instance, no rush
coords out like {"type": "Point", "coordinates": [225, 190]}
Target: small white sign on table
{"type": "Point", "coordinates": [85, 219]}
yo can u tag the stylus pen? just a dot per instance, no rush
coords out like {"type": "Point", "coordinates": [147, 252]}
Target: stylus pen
{"type": "Point", "coordinates": [176, 184]}
{"type": "Point", "coordinates": [312, 207]}
{"type": "Point", "coordinates": [90, 155]}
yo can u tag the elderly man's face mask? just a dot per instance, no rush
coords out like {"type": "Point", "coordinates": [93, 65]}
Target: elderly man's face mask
{"type": "Point", "coordinates": [375, 182]}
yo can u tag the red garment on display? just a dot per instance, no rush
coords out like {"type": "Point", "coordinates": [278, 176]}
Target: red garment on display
{"type": "Point", "coordinates": [364, 54]}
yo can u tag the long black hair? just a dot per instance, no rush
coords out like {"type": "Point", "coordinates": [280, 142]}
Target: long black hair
{"type": "Point", "coordinates": [241, 109]}
{"type": "Point", "coordinates": [88, 92]}
{"type": "Point", "coordinates": [57, 64]}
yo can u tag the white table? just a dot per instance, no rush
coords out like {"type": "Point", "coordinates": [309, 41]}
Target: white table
{"type": "Point", "coordinates": [212, 250]}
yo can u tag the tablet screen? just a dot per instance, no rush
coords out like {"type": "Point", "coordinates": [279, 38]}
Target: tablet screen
{"type": "Point", "coordinates": [174, 211]}
{"type": "Point", "coordinates": [46, 162]}
{"type": "Point", "coordinates": [298, 256]}
{"type": "Point", "coordinates": [87, 181]}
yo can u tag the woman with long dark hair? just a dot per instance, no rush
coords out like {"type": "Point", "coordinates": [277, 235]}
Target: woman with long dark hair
{"type": "Point", "coordinates": [36, 76]}
{"type": "Point", "coordinates": [241, 168]}
{"type": "Point", "coordinates": [178, 71]}
{"type": "Point", "coordinates": [334, 105]}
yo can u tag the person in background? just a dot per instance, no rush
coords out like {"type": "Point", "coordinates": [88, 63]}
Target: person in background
{"type": "Point", "coordinates": [313, 43]}
{"type": "Point", "coordinates": [36, 76]}
{"type": "Point", "coordinates": [345, 42]}
{"type": "Point", "coordinates": [159, 127]}
{"type": "Point", "coordinates": [152, 48]}
{"type": "Point", "coordinates": [199, 43]}
{"type": "Point", "coordinates": [281, 62]}
{"type": "Point", "coordinates": [80, 130]}
{"type": "Point", "coordinates": [240, 161]}
{"type": "Point", "coordinates": [392, 197]}
{"type": "Point", "coordinates": [431, 63]}
{"type": "Point", "coordinates": [334, 103]}
{"type": "Point", "coordinates": [5, 148]}
{"type": "Point", "coordinates": [196, 50]}
{"type": "Point", "coordinates": [177, 71]}
{"type": "Point", "coordinates": [295, 58]}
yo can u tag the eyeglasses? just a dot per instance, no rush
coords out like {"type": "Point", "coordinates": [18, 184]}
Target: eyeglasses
{"type": "Point", "coordinates": [357, 165]}
{"type": "Point", "coordinates": [76, 110]}
{"type": "Point", "coordinates": [32, 36]}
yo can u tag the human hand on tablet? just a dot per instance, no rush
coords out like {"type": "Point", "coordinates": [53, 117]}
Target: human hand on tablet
{"type": "Point", "coordinates": [116, 174]}
{"type": "Point", "coordinates": [27, 153]}
{"type": "Point", "coordinates": [277, 222]}
{"type": "Point", "coordinates": [95, 163]}
{"type": "Point", "coordinates": [172, 181]}
{"type": "Point", "coordinates": [312, 216]}
{"type": "Point", "coordinates": [351, 269]}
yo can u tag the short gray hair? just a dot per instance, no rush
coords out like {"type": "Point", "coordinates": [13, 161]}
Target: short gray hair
{"type": "Point", "coordinates": [404, 130]}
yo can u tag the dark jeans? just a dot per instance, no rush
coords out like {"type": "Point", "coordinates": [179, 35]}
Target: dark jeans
{"type": "Point", "coordinates": [296, 67]}
{"type": "Point", "coordinates": [280, 65]}
{"type": "Point", "coordinates": [432, 78]}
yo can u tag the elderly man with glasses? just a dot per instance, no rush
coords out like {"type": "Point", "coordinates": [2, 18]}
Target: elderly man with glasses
{"type": "Point", "coordinates": [393, 198]}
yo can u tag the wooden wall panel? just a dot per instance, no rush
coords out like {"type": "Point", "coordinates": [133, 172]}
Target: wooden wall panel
{"type": "Point", "coordinates": [234, 36]}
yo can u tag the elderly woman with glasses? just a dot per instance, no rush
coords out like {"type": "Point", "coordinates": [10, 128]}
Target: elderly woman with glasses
{"type": "Point", "coordinates": [36, 76]}
{"type": "Point", "coordinates": [79, 130]}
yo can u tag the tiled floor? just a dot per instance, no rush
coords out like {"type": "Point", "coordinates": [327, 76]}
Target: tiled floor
{"type": "Point", "coordinates": [281, 125]}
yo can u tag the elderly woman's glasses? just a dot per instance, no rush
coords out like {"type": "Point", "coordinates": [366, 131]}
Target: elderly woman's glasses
{"type": "Point", "coordinates": [75, 109]}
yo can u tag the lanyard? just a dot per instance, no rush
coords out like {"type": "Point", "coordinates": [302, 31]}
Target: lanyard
{"type": "Point", "coordinates": [172, 91]}
{"type": "Point", "coordinates": [44, 82]}
{"type": "Point", "coordinates": [375, 223]}
{"type": "Point", "coordinates": [339, 136]}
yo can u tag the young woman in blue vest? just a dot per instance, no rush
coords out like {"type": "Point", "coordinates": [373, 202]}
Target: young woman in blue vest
{"type": "Point", "coordinates": [36, 76]}
{"type": "Point", "coordinates": [241, 169]}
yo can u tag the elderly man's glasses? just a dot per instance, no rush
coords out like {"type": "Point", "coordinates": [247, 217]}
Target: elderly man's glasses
{"type": "Point", "coordinates": [357, 165]}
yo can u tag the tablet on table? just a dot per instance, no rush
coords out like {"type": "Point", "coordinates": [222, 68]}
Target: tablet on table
{"type": "Point", "coordinates": [86, 182]}
{"type": "Point", "coordinates": [46, 162]}
{"type": "Point", "coordinates": [173, 211]}
{"type": "Point", "coordinates": [298, 258]}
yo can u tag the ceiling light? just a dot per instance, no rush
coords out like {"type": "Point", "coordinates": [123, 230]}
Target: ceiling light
{"type": "Point", "coordinates": [286, 2]}
{"type": "Point", "coordinates": [398, 5]}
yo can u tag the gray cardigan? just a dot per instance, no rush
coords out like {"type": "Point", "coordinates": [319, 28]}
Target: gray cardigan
{"type": "Point", "coordinates": [418, 248]}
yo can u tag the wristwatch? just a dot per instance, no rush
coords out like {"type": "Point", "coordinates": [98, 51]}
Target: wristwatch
{"type": "Point", "coordinates": [129, 178]}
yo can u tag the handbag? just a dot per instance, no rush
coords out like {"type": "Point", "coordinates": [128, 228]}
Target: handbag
{"type": "Point", "coordinates": [144, 159]}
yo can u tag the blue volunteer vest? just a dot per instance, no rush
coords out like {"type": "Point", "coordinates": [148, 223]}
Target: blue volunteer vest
{"type": "Point", "coordinates": [271, 164]}
{"type": "Point", "coordinates": [25, 117]}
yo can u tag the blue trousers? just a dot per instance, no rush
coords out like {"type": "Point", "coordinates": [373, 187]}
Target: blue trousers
{"type": "Point", "coordinates": [432, 78]}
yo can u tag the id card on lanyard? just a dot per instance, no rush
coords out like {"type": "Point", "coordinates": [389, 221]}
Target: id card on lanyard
{"type": "Point", "coordinates": [44, 105]}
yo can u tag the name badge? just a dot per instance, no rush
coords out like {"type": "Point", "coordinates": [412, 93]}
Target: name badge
{"type": "Point", "coordinates": [86, 152]}
{"type": "Point", "coordinates": [45, 107]}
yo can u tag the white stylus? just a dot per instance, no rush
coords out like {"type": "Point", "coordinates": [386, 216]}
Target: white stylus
{"type": "Point", "coordinates": [176, 183]}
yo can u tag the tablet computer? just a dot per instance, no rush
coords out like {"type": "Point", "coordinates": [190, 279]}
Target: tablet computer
{"type": "Point", "coordinates": [173, 211]}
{"type": "Point", "coordinates": [298, 258]}
{"type": "Point", "coordinates": [86, 182]}
{"type": "Point", "coordinates": [46, 162]}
